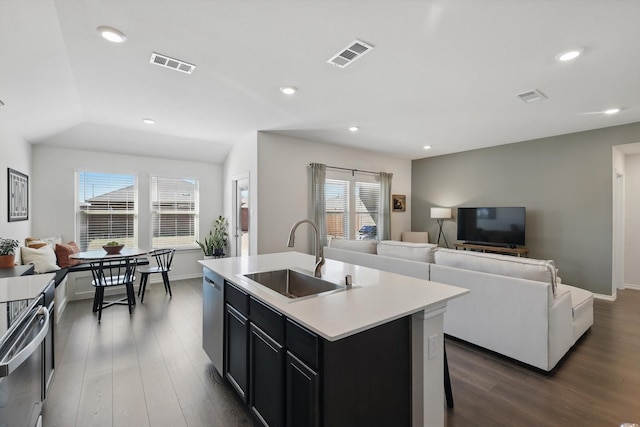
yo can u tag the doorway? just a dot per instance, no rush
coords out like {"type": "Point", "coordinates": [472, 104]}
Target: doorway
{"type": "Point", "coordinates": [618, 234]}
{"type": "Point", "coordinates": [241, 216]}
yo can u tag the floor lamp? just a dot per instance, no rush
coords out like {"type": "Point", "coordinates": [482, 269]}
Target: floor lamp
{"type": "Point", "coordinates": [440, 214]}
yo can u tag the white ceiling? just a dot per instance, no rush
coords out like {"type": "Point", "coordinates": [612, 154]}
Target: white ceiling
{"type": "Point", "coordinates": [444, 73]}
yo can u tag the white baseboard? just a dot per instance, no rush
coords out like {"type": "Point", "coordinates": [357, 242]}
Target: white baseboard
{"type": "Point", "coordinates": [632, 286]}
{"type": "Point", "coordinates": [604, 297]}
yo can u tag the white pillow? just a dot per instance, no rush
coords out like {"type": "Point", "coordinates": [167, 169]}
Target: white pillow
{"type": "Point", "coordinates": [365, 246]}
{"type": "Point", "coordinates": [407, 250]}
{"type": "Point", "coordinates": [43, 259]}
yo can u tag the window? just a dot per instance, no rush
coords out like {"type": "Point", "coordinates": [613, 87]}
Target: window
{"type": "Point", "coordinates": [174, 211]}
{"type": "Point", "coordinates": [352, 207]}
{"type": "Point", "coordinates": [106, 209]}
{"type": "Point", "coordinates": [336, 193]}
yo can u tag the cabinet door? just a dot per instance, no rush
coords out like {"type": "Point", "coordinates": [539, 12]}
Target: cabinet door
{"type": "Point", "coordinates": [303, 405]}
{"type": "Point", "coordinates": [267, 378]}
{"type": "Point", "coordinates": [236, 333]}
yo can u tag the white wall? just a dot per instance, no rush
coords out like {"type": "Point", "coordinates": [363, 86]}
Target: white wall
{"type": "Point", "coordinates": [15, 153]}
{"type": "Point", "coordinates": [632, 221]}
{"type": "Point", "coordinates": [284, 179]}
{"type": "Point", "coordinates": [53, 184]}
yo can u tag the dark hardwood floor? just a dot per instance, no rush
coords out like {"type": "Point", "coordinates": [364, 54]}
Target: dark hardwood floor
{"type": "Point", "coordinates": [150, 370]}
{"type": "Point", "coordinates": [145, 370]}
{"type": "Point", "coordinates": [596, 384]}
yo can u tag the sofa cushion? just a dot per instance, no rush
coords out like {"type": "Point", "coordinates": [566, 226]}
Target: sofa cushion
{"type": "Point", "coordinates": [407, 250]}
{"type": "Point", "coordinates": [43, 259]}
{"type": "Point", "coordinates": [505, 265]}
{"type": "Point", "coordinates": [365, 246]}
{"type": "Point", "coordinates": [582, 308]}
{"type": "Point", "coordinates": [63, 252]}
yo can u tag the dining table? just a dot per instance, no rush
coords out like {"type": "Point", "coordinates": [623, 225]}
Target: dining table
{"type": "Point", "coordinates": [101, 254]}
{"type": "Point", "coordinates": [110, 270]}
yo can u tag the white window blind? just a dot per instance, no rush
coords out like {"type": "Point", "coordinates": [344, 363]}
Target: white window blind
{"type": "Point", "coordinates": [352, 208]}
{"type": "Point", "coordinates": [367, 203]}
{"type": "Point", "coordinates": [174, 211]}
{"type": "Point", "coordinates": [106, 209]}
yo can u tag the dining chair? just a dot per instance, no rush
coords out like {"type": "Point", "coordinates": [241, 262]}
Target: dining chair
{"type": "Point", "coordinates": [111, 273]}
{"type": "Point", "coordinates": [164, 258]}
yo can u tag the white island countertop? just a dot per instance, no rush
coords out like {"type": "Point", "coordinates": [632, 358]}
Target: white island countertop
{"type": "Point", "coordinates": [23, 287]}
{"type": "Point", "coordinates": [377, 297]}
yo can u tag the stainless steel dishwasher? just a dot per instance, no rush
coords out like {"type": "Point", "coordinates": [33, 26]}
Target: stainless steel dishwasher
{"type": "Point", "coordinates": [213, 317]}
{"type": "Point", "coordinates": [23, 330]}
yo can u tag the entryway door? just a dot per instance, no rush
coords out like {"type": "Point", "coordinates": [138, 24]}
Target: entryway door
{"type": "Point", "coordinates": [241, 216]}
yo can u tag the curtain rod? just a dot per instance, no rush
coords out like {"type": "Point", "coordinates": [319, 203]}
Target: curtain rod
{"type": "Point", "coordinates": [350, 170]}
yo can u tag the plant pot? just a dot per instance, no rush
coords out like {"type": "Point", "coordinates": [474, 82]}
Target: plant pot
{"type": "Point", "coordinates": [218, 253]}
{"type": "Point", "coordinates": [209, 257]}
{"type": "Point", "coordinates": [7, 261]}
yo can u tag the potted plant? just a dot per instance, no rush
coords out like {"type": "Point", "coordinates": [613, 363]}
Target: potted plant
{"type": "Point", "coordinates": [7, 252]}
{"type": "Point", "coordinates": [207, 246]}
{"type": "Point", "coordinates": [220, 236]}
{"type": "Point", "coordinates": [215, 242]}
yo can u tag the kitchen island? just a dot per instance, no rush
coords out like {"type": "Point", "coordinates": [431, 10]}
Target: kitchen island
{"type": "Point", "coordinates": [387, 328]}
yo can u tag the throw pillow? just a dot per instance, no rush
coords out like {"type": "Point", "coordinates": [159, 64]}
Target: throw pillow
{"type": "Point", "coordinates": [63, 252]}
{"type": "Point", "coordinates": [43, 259]}
{"type": "Point", "coordinates": [34, 242]}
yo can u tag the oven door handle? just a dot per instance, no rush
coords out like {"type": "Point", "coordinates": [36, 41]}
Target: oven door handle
{"type": "Point", "coordinates": [7, 368]}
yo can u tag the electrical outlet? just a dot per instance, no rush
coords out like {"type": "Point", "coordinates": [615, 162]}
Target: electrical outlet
{"type": "Point", "coordinates": [433, 347]}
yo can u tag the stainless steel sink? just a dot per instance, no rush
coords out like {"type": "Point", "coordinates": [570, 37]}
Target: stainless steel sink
{"type": "Point", "coordinates": [291, 283]}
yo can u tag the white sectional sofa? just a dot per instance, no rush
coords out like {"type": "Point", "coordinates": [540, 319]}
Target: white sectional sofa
{"type": "Point", "coordinates": [517, 306]}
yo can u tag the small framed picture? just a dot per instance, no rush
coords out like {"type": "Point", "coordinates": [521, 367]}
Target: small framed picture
{"type": "Point", "coordinates": [399, 202]}
{"type": "Point", "coordinates": [18, 196]}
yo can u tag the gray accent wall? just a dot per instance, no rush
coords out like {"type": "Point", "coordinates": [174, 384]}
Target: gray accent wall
{"type": "Point", "coordinates": [565, 182]}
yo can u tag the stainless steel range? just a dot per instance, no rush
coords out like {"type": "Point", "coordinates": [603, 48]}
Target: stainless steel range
{"type": "Point", "coordinates": [26, 344]}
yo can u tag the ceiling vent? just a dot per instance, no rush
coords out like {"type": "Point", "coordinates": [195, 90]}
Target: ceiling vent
{"type": "Point", "coordinates": [531, 96]}
{"type": "Point", "coordinates": [353, 51]}
{"type": "Point", "coordinates": [174, 64]}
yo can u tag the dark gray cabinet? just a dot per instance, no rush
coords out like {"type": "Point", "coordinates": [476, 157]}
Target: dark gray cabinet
{"type": "Point", "coordinates": [289, 376]}
{"type": "Point", "coordinates": [303, 393]}
{"type": "Point", "coordinates": [266, 373]}
{"type": "Point", "coordinates": [236, 354]}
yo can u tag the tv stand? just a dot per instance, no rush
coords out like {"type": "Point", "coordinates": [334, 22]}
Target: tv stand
{"type": "Point", "coordinates": [517, 251]}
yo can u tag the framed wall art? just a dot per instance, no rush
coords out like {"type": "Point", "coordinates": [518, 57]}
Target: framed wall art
{"type": "Point", "coordinates": [18, 195]}
{"type": "Point", "coordinates": [399, 202]}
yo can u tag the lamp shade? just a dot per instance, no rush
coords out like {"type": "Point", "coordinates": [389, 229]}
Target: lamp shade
{"type": "Point", "coordinates": [440, 213]}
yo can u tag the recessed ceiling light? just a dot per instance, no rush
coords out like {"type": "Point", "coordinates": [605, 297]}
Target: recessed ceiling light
{"type": "Point", "coordinates": [611, 111]}
{"type": "Point", "coordinates": [354, 129]}
{"type": "Point", "coordinates": [148, 121]}
{"type": "Point", "coordinates": [568, 56]}
{"type": "Point", "coordinates": [288, 90]}
{"type": "Point", "coordinates": [111, 34]}
{"type": "Point", "coordinates": [427, 147]}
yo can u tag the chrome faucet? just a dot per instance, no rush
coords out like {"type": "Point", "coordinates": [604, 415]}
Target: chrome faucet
{"type": "Point", "coordinates": [318, 250]}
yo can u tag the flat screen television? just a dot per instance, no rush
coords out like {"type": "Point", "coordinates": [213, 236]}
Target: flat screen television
{"type": "Point", "coordinates": [493, 226]}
